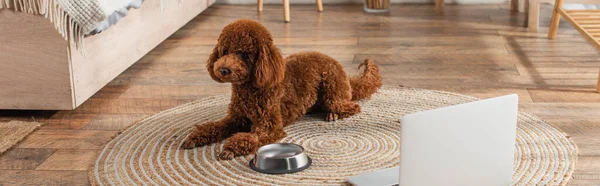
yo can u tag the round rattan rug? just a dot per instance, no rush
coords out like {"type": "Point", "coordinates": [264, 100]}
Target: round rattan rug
{"type": "Point", "coordinates": [148, 151]}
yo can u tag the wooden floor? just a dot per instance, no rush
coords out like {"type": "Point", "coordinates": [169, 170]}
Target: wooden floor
{"type": "Point", "coordinates": [480, 50]}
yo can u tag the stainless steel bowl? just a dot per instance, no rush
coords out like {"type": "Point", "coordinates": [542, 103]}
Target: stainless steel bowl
{"type": "Point", "coordinates": [280, 158]}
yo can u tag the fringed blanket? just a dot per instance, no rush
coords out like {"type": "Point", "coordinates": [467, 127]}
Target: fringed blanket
{"type": "Point", "coordinates": [72, 18]}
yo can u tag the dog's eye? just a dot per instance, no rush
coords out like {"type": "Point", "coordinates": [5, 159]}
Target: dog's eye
{"type": "Point", "coordinates": [225, 52]}
{"type": "Point", "coordinates": [244, 56]}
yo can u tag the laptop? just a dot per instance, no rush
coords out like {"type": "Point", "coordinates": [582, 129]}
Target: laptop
{"type": "Point", "coordinates": [471, 144]}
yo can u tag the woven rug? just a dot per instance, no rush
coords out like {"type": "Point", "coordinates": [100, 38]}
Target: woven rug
{"type": "Point", "coordinates": [148, 151]}
{"type": "Point", "coordinates": [14, 131]}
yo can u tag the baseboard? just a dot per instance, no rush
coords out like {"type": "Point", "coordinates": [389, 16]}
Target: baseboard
{"type": "Point", "coordinates": [245, 2]}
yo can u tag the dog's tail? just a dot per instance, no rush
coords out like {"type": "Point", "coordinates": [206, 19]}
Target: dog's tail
{"type": "Point", "coordinates": [367, 83]}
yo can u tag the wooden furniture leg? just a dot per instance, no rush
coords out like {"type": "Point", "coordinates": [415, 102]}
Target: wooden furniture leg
{"type": "Point", "coordinates": [259, 5]}
{"type": "Point", "coordinates": [320, 5]}
{"type": "Point", "coordinates": [533, 18]}
{"type": "Point", "coordinates": [286, 10]}
{"type": "Point", "coordinates": [514, 5]}
{"type": "Point", "coordinates": [598, 84]}
{"type": "Point", "coordinates": [439, 6]}
{"type": "Point", "coordinates": [555, 19]}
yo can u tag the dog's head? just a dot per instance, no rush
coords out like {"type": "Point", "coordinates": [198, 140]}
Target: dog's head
{"type": "Point", "coordinates": [245, 53]}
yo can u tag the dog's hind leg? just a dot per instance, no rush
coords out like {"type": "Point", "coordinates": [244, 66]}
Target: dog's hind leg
{"type": "Point", "coordinates": [335, 96]}
{"type": "Point", "coordinates": [341, 110]}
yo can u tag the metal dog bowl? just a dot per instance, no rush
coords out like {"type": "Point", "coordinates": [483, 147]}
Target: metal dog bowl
{"type": "Point", "coordinates": [280, 158]}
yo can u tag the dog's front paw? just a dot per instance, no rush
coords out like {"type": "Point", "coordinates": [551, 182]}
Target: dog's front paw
{"type": "Point", "coordinates": [190, 143]}
{"type": "Point", "coordinates": [226, 155]}
{"type": "Point", "coordinates": [238, 145]}
{"type": "Point", "coordinates": [199, 136]}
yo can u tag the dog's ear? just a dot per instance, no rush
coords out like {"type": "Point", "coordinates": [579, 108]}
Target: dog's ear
{"type": "Point", "coordinates": [270, 66]}
{"type": "Point", "coordinates": [210, 63]}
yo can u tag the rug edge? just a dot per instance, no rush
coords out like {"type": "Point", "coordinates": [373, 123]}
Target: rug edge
{"type": "Point", "coordinates": [18, 141]}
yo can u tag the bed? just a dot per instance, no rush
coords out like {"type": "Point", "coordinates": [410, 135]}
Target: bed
{"type": "Point", "coordinates": [54, 55]}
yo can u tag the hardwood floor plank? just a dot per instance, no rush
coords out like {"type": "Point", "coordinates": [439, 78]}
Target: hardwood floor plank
{"type": "Point", "coordinates": [490, 83]}
{"type": "Point", "coordinates": [128, 106]}
{"type": "Point", "coordinates": [441, 59]}
{"type": "Point", "coordinates": [67, 120]}
{"type": "Point", "coordinates": [114, 122]}
{"type": "Point", "coordinates": [420, 71]}
{"type": "Point", "coordinates": [554, 53]}
{"type": "Point", "coordinates": [166, 68]}
{"type": "Point", "coordinates": [586, 61]}
{"type": "Point", "coordinates": [481, 41]}
{"type": "Point", "coordinates": [162, 92]}
{"type": "Point", "coordinates": [196, 79]}
{"type": "Point", "coordinates": [159, 57]}
{"type": "Point", "coordinates": [559, 72]}
{"type": "Point", "coordinates": [557, 110]}
{"type": "Point", "coordinates": [31, 177]}
{"type": "Point", "coordinates": [564, 95]}
{"type": "Point", "coordinates": [543, 41]}
{"type": "Point", "coordinates": [70, 159]}
{"type": "Point", "coordinates": [584, 132]}
{"type": "Point", "coordinates": [578, 120]}
{"type": "Point", "coordinates": [588, 167]}
{"type": "Point", "coordinates": [582, 182]}
{"type": "Point", "coordinates": [484, 93]}
{"type": "Point", "coordinates": [24, 159]}
{"type": "Point", "coordinates": [551, 47]}
{"type": "Point", "coordinates": [67, 139]}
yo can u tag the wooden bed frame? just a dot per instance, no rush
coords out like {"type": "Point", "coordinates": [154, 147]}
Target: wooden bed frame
{"type": "Point", "coordinates": [35, 70]}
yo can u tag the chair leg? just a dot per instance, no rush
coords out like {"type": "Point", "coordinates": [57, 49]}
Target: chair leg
{"type": "Point", "coordinates": [286, 10]}
{"type": "Point", "coordinates": [259, 5]}
{"type": "Point", "coordinates": [320, 5]}
{"type": "Point", "coordinates": [439, 6]}
{"type": "Point", "coordinates": [533, 18]}
{"type": "Point", "coordinates": [555, 20]}
{"type": "Point", "coordinates": [514, 5]}
{"type": "Point", "coordinates": [598, 84]}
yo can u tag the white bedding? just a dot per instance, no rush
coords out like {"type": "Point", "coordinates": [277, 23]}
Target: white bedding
{"type": "Point", "coordinates": [117, 15]}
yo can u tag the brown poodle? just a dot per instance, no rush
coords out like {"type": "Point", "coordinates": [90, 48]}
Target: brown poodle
{"type": "Point", "coordinates": [270, 92]}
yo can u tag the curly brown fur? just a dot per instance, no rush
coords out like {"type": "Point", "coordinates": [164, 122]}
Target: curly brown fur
{"type": "Point", "coordinates": [269, 93]}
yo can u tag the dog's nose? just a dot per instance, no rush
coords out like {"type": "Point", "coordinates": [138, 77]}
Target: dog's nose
{"type": "Point", "coordinates": [224, 71]}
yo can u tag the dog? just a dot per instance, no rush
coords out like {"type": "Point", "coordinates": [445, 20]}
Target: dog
{"type": "Point", "coordinates": [270, 92]}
